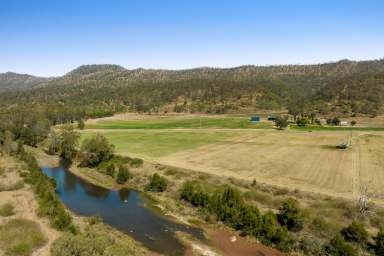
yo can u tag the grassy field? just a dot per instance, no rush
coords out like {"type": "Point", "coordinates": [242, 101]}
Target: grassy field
{"type": "Point", "coordinates": [294, 158]}
{"type": "Point", "coordinates": [179, 123]}
{"type": "Point", "coordinates": [334, 128]}
{"type": "Point", "coordinates": [158, 143]}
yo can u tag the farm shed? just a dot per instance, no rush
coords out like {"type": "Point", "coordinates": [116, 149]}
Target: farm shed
{"type": "Point", "coordinates": [255, 119]}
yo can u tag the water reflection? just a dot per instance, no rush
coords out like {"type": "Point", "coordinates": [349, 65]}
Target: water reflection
{"type": "Point", "coordinates": [123, 209]}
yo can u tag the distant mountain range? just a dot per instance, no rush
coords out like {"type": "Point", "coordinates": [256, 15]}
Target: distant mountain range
{"type": "Point", "coordinates": [343, 86]}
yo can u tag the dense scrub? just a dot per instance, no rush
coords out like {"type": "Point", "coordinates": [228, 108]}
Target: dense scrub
{"type": "Point", "coordinates": [284, 229]}
{"type": "Point", "coordinates": [228, 206]}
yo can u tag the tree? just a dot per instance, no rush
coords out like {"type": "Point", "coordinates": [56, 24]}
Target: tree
{"type": "Point", "coordinates": [302, 121]}
{"type": "Point", "coordinates": [69, 140]}
{"type": "Point", "coordinates": [338, 247]}
{"type": "Point", "coordinates": [355, 232]}
{"type": "Point", "coordinates": [281, 122]}
{"type": "Point", "coordinates": [290, 215]}
{"type": "Point", "coordinates": [157, 183]}
{"type": "Point", "coordinates": [9, 143]}
{"type": "Point", "coordinates": [80, 124]}
{"type": "Point", "coordinates": [353, 122]}
{"type": "Point", "coordinates": [53, 142]}
{"type": "Point", "coordinates": [95, 150]}
{"type": "Point", "coordinates": [123, 174]}
{"type": "Point", "coordinates": [336, 121]}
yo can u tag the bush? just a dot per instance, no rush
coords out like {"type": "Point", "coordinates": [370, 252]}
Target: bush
{"type": "Point", "coordinates": [290, 215]}
{"type": "Point", "coordinates": [302, 121]}
{"type": "Point", "coordinates": [355, 232]}
{"type": "Point", "coordinates": [123, 175]}
{"type": "Point", "coordinates": [157, 183]}
{"type": "Point", "coordinates": [136, 162]}
{"type": "Point", "coordinates": [379, 243]}
{"type": "Point", "coordinates": [281, 122]}
{"type": "Point", "coordinates": [338, 247]}
{"type": "Point", "coordinates": [95, 150]}
{"type": "Point", "coordinates": [7, 210]}
{"type": "Point", "coordinates": [110, 170]}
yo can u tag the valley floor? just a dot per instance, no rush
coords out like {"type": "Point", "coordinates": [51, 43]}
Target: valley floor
{"type": "Point", "coordinates": [303, 160]}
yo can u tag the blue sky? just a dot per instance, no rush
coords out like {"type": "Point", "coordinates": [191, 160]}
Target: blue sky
{"type": "Point", "coordinates": [54, 36]}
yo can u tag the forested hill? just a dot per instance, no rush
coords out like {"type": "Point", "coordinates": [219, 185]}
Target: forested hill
{"type": "Point", "coordinates": [98, 90]}
{"type": "Point", "coordinates": [10, 80]}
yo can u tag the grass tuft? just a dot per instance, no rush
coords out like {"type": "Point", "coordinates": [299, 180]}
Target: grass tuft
{"type": "Point", "coordinates": [20, 237]}
{"type": "Point", "coordinates": [7, 210]}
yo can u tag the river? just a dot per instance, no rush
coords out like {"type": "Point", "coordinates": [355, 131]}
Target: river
{"type": "Point", "coordinates": [123, 209]}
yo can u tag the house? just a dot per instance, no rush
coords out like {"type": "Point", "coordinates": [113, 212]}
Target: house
{"type": "Point", "coordinates": [343, 123]}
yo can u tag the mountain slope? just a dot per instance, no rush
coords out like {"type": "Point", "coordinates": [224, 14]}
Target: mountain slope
{"type": "Point", "coordinates": [12, 80]}
{"type": "Point", "coordinates": [97, 90]}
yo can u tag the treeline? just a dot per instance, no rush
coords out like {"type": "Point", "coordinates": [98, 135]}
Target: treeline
{"type": "Point", "coordinates": [45, 191]}
{"type": "Point", "coordinates": [227, 205]}
{"type": "Point", "coordinates": [95, 152]}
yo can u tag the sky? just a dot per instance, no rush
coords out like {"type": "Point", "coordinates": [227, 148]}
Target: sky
{"type": "Point", "coordinates": [52, 37]}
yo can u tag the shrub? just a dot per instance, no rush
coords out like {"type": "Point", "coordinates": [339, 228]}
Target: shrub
{"type": "Point", "coordinates": [290, 215]}
{"type": "Point", "coordinates": [355, 232]}
{"type": "Point", "coordinates": [157, 183]}
{"type": "Point", "coordinates": [123, 174]}
{"type": "Point", "coordinates": [136, 162]}
{"type": "Point", "coordinates": [281, 122]}
{"type": "Point", "coordinates": [269, 227]}
{"type": "Point", "coordinates": [195, 194]}
{"type": "Point", "coordinates": [338, 247]}
{"type": "Point", "coordinates": [379, 243]}
{"type": "Point", "coordinates": [7, 209]}
{"type": "Point", "coordinates": [302, 121]}
{"type": "Point", "coordinates": [251, 220]}
{"type": "Point", "coordinates": [110, 170]}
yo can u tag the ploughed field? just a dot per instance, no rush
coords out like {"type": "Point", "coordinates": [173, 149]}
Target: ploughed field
{"type": "Point", "coordinates": [308, 161]}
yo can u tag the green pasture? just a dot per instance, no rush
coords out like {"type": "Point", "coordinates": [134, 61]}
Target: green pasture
{"type": "Point", "coordinates": [179, 123]}
{"type": "Point", "coordinates": [158, 143]}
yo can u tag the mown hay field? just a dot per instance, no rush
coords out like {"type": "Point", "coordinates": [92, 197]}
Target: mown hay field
{"type": "Point", "coordinates": [308, 161]}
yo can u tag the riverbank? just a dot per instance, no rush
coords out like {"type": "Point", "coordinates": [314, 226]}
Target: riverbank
{"type": "Point", "coordinates": [22, 207]}
{"type": "Point", "coordinates": [170, 206]}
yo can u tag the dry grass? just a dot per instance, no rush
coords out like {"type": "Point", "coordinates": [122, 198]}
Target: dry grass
{"type": "Point", "coordinates": [20, 237]}
{"type": "Point", "coordinates": [297, 160]}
